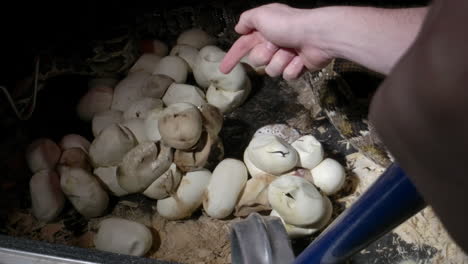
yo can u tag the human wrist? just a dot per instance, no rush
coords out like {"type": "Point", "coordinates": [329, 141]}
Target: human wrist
{"type": "Point", "coordinates": [373, 37]}
{"type": "Point", "coordinates": [326, 29]}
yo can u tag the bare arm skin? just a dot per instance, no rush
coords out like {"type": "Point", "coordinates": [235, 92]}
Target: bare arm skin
{"type": "Point", "coordinates": [373, 37]}
{"type": "Point", "coordinates": [287, 39]}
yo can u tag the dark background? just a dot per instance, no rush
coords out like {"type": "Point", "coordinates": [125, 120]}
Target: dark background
{"type": "Point", "coordinates": [67, 27]}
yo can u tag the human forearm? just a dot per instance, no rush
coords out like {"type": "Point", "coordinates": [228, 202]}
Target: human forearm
{"type": "Point", "coordinates": [373, 37]}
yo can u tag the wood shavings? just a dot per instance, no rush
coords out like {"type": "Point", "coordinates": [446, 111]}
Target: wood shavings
{"type": "Point", "coordinates": [49, 231]}
{"type": "Point", "coordinates": [426, 228]}
{"type": "Point", "coordinates": [202, 240]}
{"type": "Point", "coordinates": [422, 229]}
{"type": "Point", "coordinates": [25, 225]}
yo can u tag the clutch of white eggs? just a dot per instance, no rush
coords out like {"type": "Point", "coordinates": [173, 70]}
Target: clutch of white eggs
{"type": "Point", "coordinates": [302, 177]}
{"type": "Point", "coordinates": [156, 135]}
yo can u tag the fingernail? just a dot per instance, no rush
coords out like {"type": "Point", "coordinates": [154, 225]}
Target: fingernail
{"type": "Point", "coordinates": [271, 46]}
{"type": "Point", "coordinates": [271, 71]}
{"type": "Point", "coordinates": [287, 75]}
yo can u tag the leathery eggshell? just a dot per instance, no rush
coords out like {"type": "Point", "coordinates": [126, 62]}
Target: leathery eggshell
{"type": "Point", "coordinates": [310, 151]}
{"type": "Point", "coordinates": [174, 67]}
{"type": "Point", "coordinates": [84, 191]}
{"type": "Point", "coordinates": [105, 119]}
{"type": "Point", "coordinates": [227, 101]}
{"type": "Point", "coordinates": [297, 232]}
{"type": "Point", "coordinates": [196, 38]}
{"type": "Point", "coordinates": [188, 198]}
{"type": "Point", "coordinates": [138, 85]}
{"type": "Point", "coordinates": [223, 191]}
{"type": "Point", "coordinates": [212, 118]}
{"type": "Point", "coordinates": [140, 108]}
{"type": "Point", "coordinates": [180, 125]}
{"type": "Point", "coordinates": [146, 63]}
{"type": "Point", "coordinates": [142, 165]}
{"type": "Point", "coordinates": [253, 170]}
{"type": "Point", "coordinates": [111, 145]}
{"type": "Point", "coordinates": [206, 154]}
{"type": "Point", "coordinates": [152, 124]}
{"type": "Point", "coordinates": [137, 127]}
{"type": "Point", "coordinates": [200, 71]}
{"type": "Point", "coordinates": [97, 99]}
{"type": "Point", "coordinates": [296, 200]}
{"type": "Point", "coordinates": [47, 197]}
{"type": "Point", "coordinates": [184, 93]}
{"type": "Point", "coordinates": [157, 86]}
{"type": "Point", "coordinates": [187, 53]}
{"type": "Point", "coordinates": [165, 185]}
{"type": "Point", "coordinates": [272, 154]}
{"type": "Point", "coordinates": [74, 141]}
{"type": "Point", "coordinates": [129, 90]}
{"type": "Point", "coordinates": [329, 176]}
{"type": "Point", "coordinates": [42, 154]}
{"type": "Point", "coordinates": [75, 157]}
{"type": "Point", "coordinates": [108, 176]}
{"type": "Point", "coordinates": [123, 236]}
{"type": "Point", "coordinates": [254, 198]}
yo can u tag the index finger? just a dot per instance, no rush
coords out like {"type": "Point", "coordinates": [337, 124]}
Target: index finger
{"type": "Point", "coordinates": [239, 49]}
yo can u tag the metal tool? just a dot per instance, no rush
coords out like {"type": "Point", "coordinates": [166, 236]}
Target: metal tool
{"type": "Point", "coordinates": [390, 201]}
{"type": "Point", "coordinates": [260, 240]}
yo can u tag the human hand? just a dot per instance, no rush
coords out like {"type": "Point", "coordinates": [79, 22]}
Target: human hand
{"type": "Point", "coordinates": [276, 35]}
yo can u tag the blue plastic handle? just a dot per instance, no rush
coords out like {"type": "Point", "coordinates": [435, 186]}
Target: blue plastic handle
{"type": "Point", "coordinates": [390, 201]}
